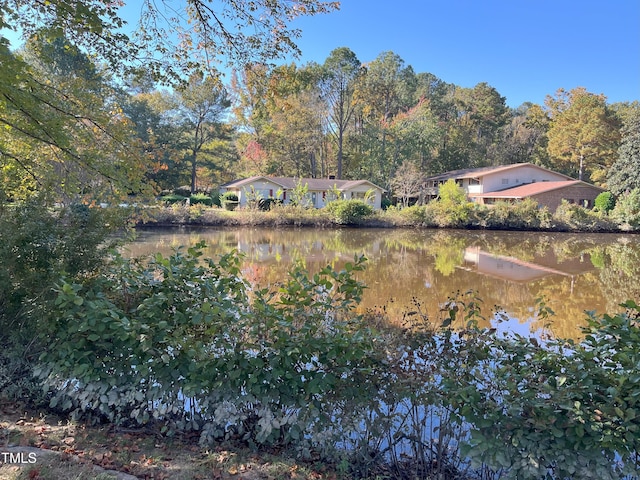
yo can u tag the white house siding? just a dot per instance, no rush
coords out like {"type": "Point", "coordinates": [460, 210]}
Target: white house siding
{"type": "Point", "coordinates": [359, 192]}
{"type": "Point", "coordinates": [264, 188]}
{"type": "Point", "coordinates": [494, 181]}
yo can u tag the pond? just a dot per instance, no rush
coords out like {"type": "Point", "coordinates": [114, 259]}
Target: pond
{"type": "Point", "coordinates": [409, 270]}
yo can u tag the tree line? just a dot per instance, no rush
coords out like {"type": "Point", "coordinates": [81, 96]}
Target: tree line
{"type": "Point", "coordinates": [76, 127]}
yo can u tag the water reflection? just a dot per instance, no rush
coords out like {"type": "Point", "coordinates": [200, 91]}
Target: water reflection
{"type": "Point", "coordinates": [509, 270]}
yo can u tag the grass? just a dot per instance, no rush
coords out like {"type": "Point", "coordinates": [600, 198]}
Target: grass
{"type": "Point", "coordinates": [56, 449]}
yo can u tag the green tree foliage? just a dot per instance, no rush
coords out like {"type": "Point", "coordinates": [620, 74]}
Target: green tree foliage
{"type": "Point", "coordinates": [63, 131]}
{"type": "Point", "coordinates": [63, 120]}
{"type": "Point", "coordinates": [296, 140]}
{"type": "Point", "coordinates": [230, 32]}
{"type": "Point", "coordinates": [382, 92]}
{"type": "Point", "coordinates": [583, 133]}
{"type": "Point", "coordinates": [450, 193]}
{"type": "Point", "coordinates": [199, 107]}
{"type": "Point", "coordinates": [624, 174]}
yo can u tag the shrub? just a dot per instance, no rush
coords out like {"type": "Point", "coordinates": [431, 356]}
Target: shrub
{"type": "Point", "coordinates": [348, 212]}
{"type": "Point", "coordinates": [525, 214]}
{"type": "Point", "coordinates": [201, 198]}
{"type": "Point", "coordinates": [605, 202]}
{"type": "Point", "coordinates": [575, 217]}
{"type": "Point", "coordinates": [229, 200]}
{"type": "Point", "coordinates": [183, 191]}
{"type": "Point", "coordinates": [38, 245]}
{"type": "Point", "coordinates": [146, 338]}
{"type": "Point", "coordinates": [173, 198]}
{"type": "Point", "coordinates": [450, 215]}
{"type": "Point", "coordinates": [627, 210]}
{"type": "Point", "coordinates": [556, 410]}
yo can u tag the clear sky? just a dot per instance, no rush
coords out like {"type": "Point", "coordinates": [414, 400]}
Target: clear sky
{"type": "Point", "coordinates": [525, 49]}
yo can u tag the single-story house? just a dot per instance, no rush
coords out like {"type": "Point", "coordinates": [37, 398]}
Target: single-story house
{"type": "Point", "coordinates": [320, 191]}
{"type": "Point", "coordinates": [488, 185]}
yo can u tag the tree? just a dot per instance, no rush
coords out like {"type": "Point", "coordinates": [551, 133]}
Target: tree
{"type": "Point", "coordinates": [200, 106]}
{"type": "Point", "coordinates": [583, 134]}
{"type": "Point", "coordinates": [519, 140]}
{"type": "Point", "coordinates": [342, 69]}
{"type": "Point", "coordinates": [296, 140]}
{"type": "Point", "coordinates": [414, 135]}
{"type": "Point", "coordinates": [33, 113]}
{"type": "Point", "coordinates": [624, 174]}
{"type": "Point", "coordinates": [198, 36]}
{"type": "Point", "coordinates": [63, 132]}
{"type": "Point", "coordinates": [407, 183]}
{"type": "Point", "coordinates": [383, 92]}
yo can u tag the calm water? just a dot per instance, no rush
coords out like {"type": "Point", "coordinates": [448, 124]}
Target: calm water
{"type": "Point", "coordinates": [405, 268]}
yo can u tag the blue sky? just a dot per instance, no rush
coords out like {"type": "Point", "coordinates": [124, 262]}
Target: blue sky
{"type": "Point", "coordinates": [525, 49]}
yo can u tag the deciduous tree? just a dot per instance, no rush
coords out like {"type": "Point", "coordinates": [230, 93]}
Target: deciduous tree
{"type": "Point", "coordinates": [200, 106]}
{"type": "Point", "coordinates": [583, 134]}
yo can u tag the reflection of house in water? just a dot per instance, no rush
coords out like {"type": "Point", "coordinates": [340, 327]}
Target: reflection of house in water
{"type": "Point", "coordinates": [515, 270]}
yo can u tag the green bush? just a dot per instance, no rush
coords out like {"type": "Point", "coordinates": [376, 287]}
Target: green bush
{"type": "Point", "coordinates": [556, 410]}
{"type": "Point", "coordinates": [521, 215]}
{"type": "Point", "coordinates": [451, 215]}
{"type": "Point", "coordinates": [627, 210]}
{"type": "Point", "coordinates": [201, 198]}
{"type": "Point", "coordinates": [173, 198]}
{"type": "Point", "coordinates": [349, 212]}
{"type": "Point", "coordinates": [570, 216]}
{"type": "Point", "coordinates": [37, 245]}
{"type": "Point", "coordinates": [146, 339]}
{"type": "Point", "coordinates": [605, 202]}
{"type": "Point", "coordinates": [229, 200]}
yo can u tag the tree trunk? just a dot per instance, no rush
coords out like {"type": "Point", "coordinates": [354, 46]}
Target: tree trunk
{"type": "Point", "coordinates": [193, 173]}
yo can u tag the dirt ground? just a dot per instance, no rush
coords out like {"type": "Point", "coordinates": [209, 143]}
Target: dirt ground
{"type": "Point", "coordinates": [39, 446]}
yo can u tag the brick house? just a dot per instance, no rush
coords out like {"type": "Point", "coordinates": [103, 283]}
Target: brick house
{"type": "Point", "coordinates": [515, 182]}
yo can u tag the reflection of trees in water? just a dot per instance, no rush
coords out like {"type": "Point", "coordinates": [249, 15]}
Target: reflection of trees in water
{"type": "Point", "coordinates": [570, 297]}
{"type": "Point", "coordinates": [408, 266]}
{"type": "Point", "coordinates": [620, 273]}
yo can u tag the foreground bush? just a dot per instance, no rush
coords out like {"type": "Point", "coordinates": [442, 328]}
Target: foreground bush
{"type": "Point", "coordinates": [556, 410]}
{"type": "Point", "coordinates": [37, 245]}
{"type": "Point", "coordinates": [179, 340]}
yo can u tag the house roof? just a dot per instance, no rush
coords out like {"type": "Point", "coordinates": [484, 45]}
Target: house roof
{"type": "Point", "coordinates": [530, 189]}
{"type": "Point", "coordinates": [289, 183]}
{"type": "Point", "coordinates": [482, 171]}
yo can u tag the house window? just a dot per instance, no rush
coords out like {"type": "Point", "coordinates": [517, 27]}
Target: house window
{"type": "Point", "coordinates": [284, 195]}
{"type": "Point", "coordinates": [474, 181]}
{"type": "Point", "coordinates": [505, 181]}
{"type": "Point", "coordinates": [271, 193]}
